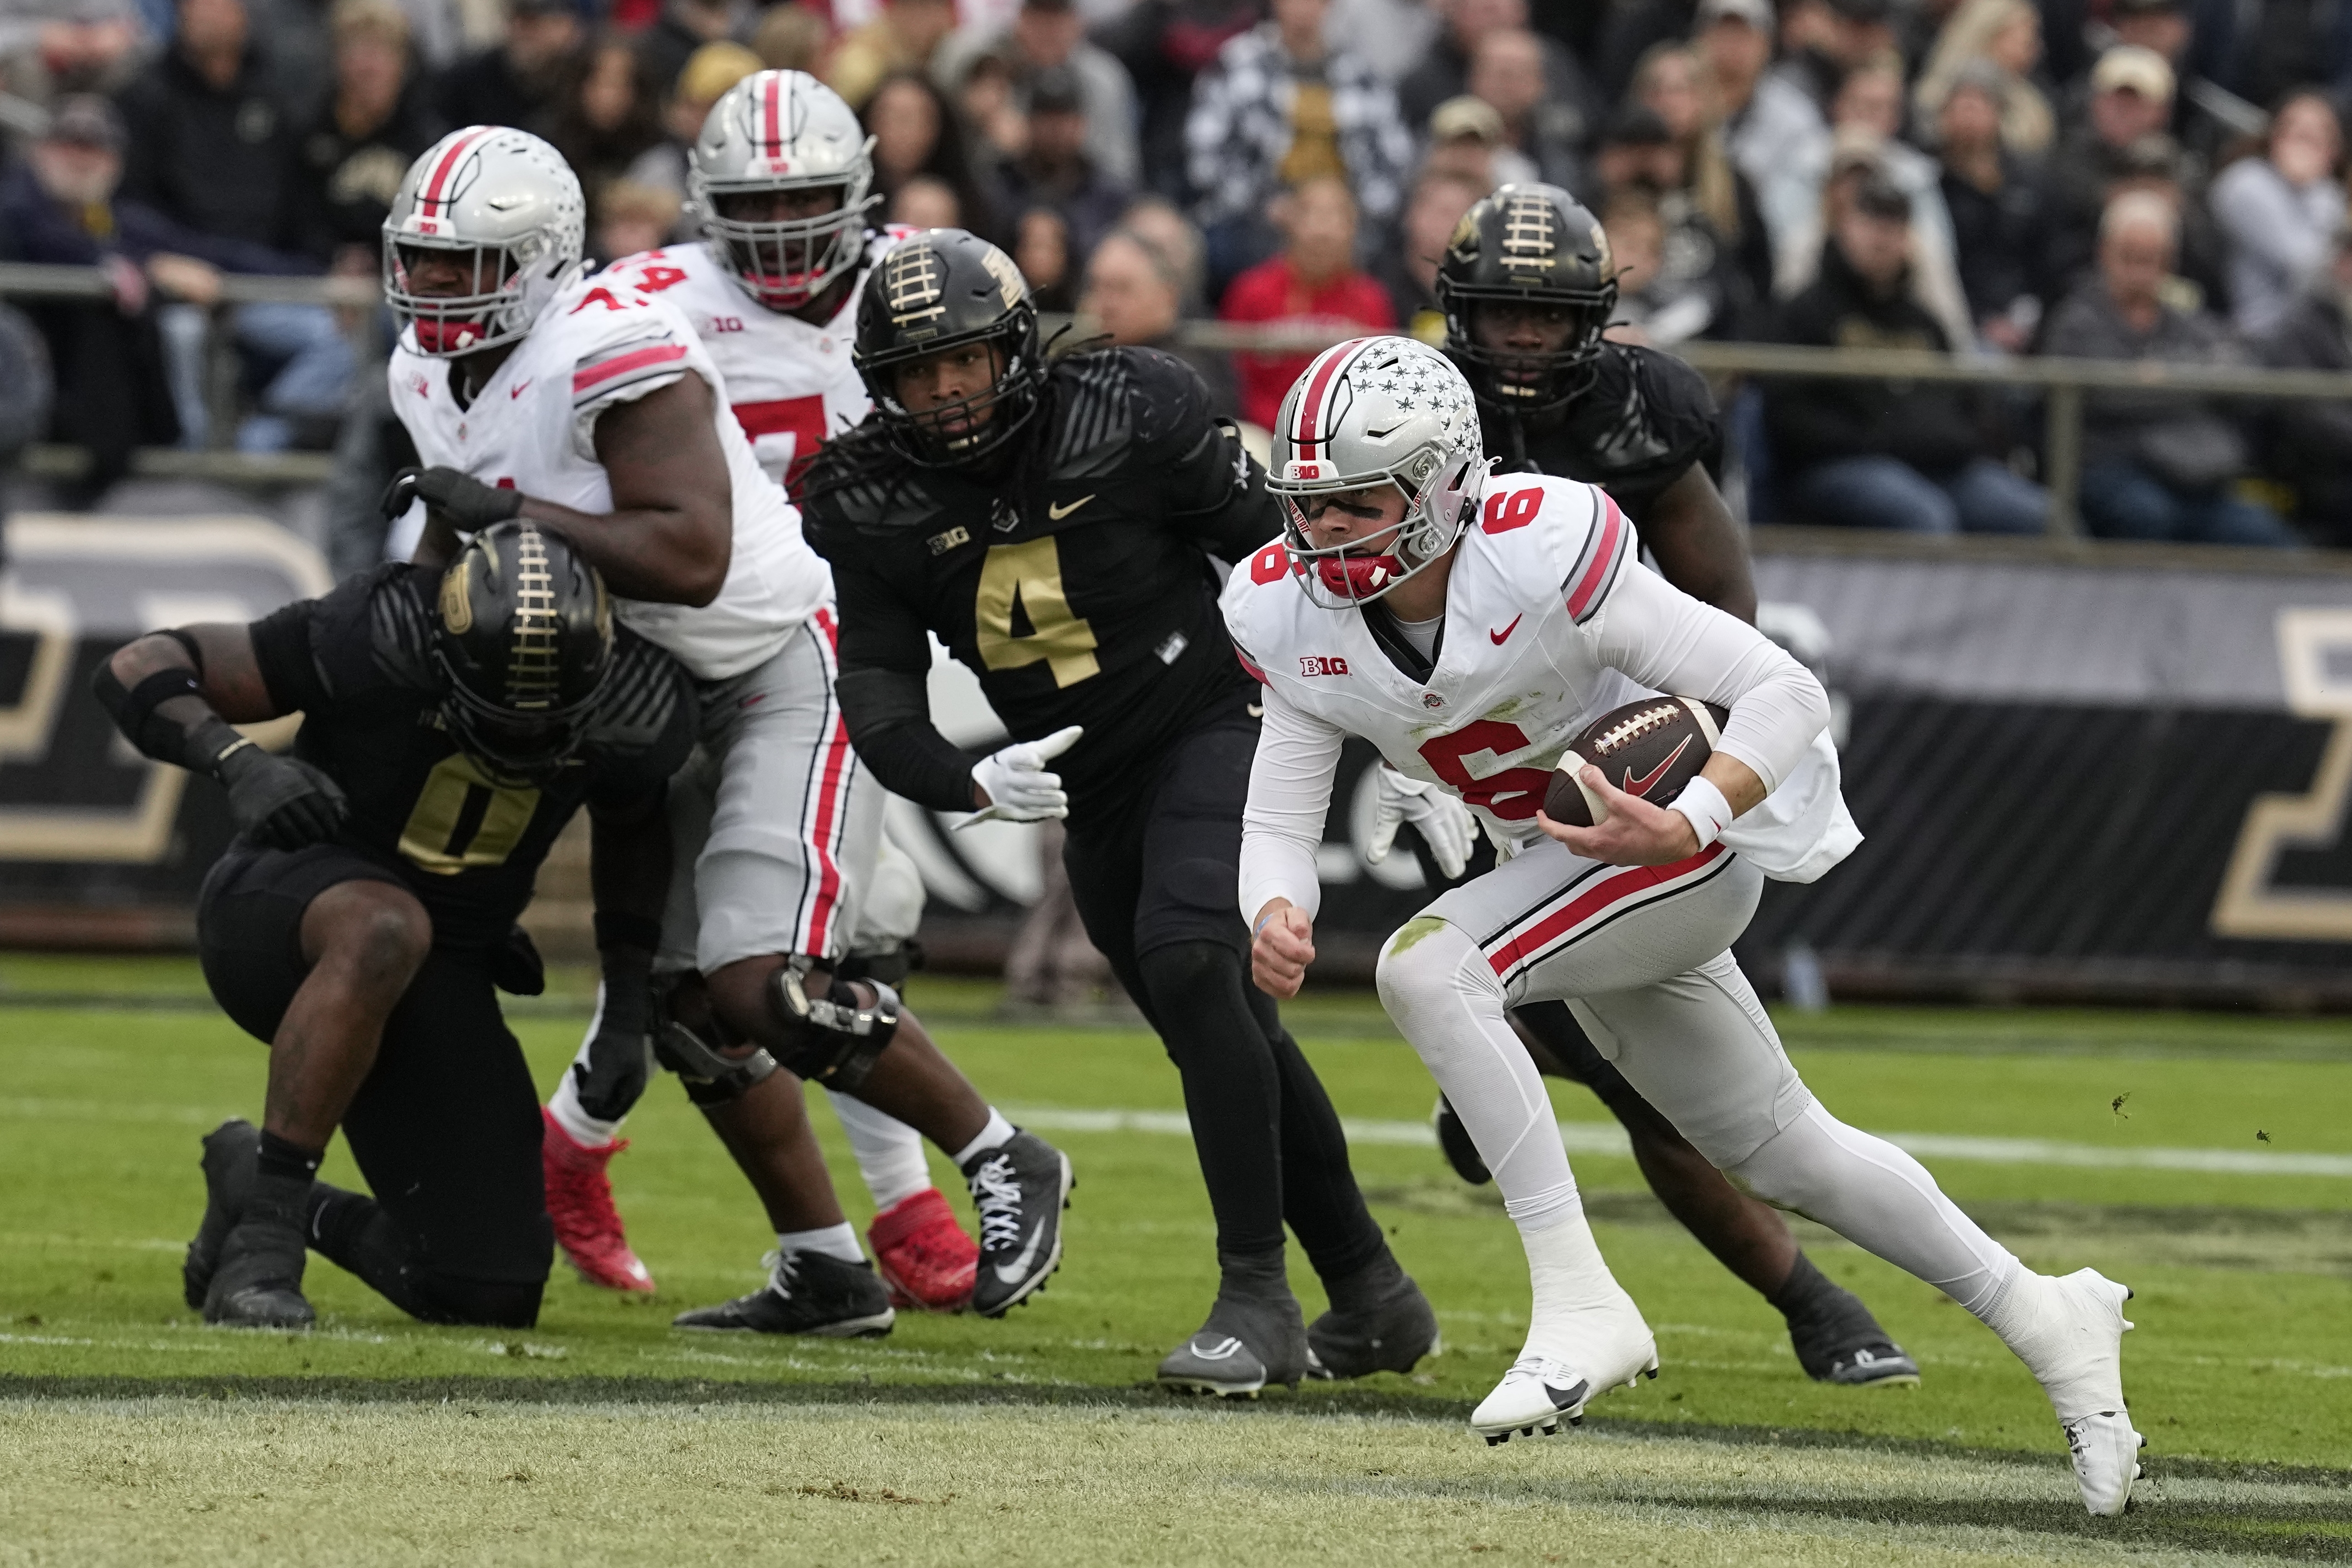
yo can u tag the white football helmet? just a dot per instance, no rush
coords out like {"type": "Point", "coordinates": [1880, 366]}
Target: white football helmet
{"type": "Point", "coordinates": [783, 131]}
{"type": "Point", "coordinates": [512, 202]}
{"type": "Point", "coordinates": [1369, 412]}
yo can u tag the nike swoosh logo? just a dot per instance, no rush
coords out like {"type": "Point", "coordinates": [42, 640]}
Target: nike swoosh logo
{"type": "Point", "coordinates": [1505, 634]}
{"type": "Point", "coordinates": [1642, 785]}
{"type": "Point", "coordinates": [1253, 710]}
{"type": "Point", "coordinates": [517, 390]}
{"type": "Point", "coordinates": [1563, 1398]}
{"type": "Point", "coordinates": [1011, 1273]}
{"type": "Point", "coordinates": [1059, 513]}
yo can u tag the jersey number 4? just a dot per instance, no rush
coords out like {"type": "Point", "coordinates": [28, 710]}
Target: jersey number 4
{"type": "Point", "coordinates": [1023, 614]}
{"type": "Point", "coordinates": [1515, 794]}
{"type": "Point", "coordinates": [462, 821]}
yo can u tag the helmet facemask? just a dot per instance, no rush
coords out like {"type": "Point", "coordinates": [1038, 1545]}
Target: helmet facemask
{"type": "Point", "coordinates": [785, 262]}
{"type": "Point", "coordinates": [1532, 380]}
{"type": "Point", "coordinates": [1440, 494]}
{"type": "Point", "coordinates": [517, 746]}
{"type": "Point", "coordinates": [490, 310]}
{"type": "Point", "coordinates": [964, 430]}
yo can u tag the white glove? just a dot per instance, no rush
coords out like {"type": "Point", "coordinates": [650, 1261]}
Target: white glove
{"type": "Point", "coordinates": [1019, 789]}
{"type": "Point", "coordinates": [1445, 823]}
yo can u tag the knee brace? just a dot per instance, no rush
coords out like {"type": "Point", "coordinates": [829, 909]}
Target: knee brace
{"type": "Point", "coordinates": [835, 1039]}
{"type": "Point", "coordinates": [700, 1057]}
{"type": "Point", "coordinates": [886, 965]}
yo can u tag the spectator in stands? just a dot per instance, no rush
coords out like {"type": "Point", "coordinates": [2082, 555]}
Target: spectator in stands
{"type": "Point", "coordinates": [1165, 45]}
{"type": "Point", "coordinates": [1158, 224]}
{"type": "Point", "coordinates": [1312, 282]}
{"type": "Point", "coordinates": [514, 82]}
{"type": "Point", "coordinates": [1996, 43]}
{"type": "Point", "coordinates": [1662, 297]}
{"type": "Point", "coordinates": [1671, 83]}
{"type": "Point", "coordinates": [1466, 138]}
{"type": "Point", "coordinates": [992, 110]}
{"type": "Point", "coordinates": [926, 201]}
{"type": "Point", "coordinates": [1057, 173]}
{"type": "Point", "coordinates": [708, 74]}
{"type": "Point", "coordinates": [360, 144]}
{"type": "Point", "coordinates": [607, 115]}
{"type": "Point", "coordinates": [1043, 250]}
{"type": "Point", "coordinates": [1686, 264]}
{"type": "Point", "coordinates": [792, 37]}
{"type": "Point", "coordinates": [2117, 144]}
{"type": "Point", "coordinates": [903, 38]}
{"type": "Point", "coordinates": [2154, 466]}
{"type": "Point", "coordinates": [2308, 441]}
{"type": "Point", "coordinates": [683, 28]}
{"type": "Point", "coordinates": [51, 47]}
{"type": "Point", "coordinates": [1409, 271]}
{"type": "Point", "coordinates": [1048, 37]}
{"type": "Point", "coordinates": [1444, 69]}
{"type": "Point", "coordinates": [1891, 454]}
{"type": "Point", "coordinates": [211, 146]}
{"type": "Point", "coordinates": [1771, 128]}
{"type": "Point", "coordinates": [1282, 108]}
{"type": "Point", "coordinates": [918, 137]}
{"type": "Point", "coordinates": [2279, 213]}
{"type": "Point", "coordinates": [2166, 29]}
{"type": "Point", "coordinates": [627, 218]}
{"type": "Point", "coordinates": [1507, 73]}
{"type": "Point", "coordinates": [1996, 209]}
{"type": "Point", "coordinates": [1823, 40]}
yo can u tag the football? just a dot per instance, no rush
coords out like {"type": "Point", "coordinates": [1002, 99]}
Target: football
{"type": "Point", "coordinates": [1651, 748]}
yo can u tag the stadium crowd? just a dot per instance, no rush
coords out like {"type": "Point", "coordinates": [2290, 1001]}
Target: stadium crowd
{"type": "Point", "coordinates": [2109, 179]}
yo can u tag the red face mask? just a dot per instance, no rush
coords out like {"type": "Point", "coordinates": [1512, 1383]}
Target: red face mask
{"type": "Point", "coordinates": [438, 335]}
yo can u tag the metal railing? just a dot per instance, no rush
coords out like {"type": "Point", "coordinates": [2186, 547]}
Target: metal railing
{"type": "Point", "coordinates": [2063, 382]}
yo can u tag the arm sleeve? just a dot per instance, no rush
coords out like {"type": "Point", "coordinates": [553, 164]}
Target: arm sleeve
{"type": "Point", "coordinates": [886, 659]}
{"type": "Point", "coordinates": [1215, 491]}
{"type": "Point", "coordinates": [1289, 797]}
{"type": "Point", "coordinates": [281, 652]}
{"type": "Point", "coordinates": [1671, 642]}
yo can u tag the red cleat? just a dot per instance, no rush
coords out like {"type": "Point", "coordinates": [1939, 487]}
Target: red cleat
{"type": "Point", "coordinates": [923, 1254]}
{"type": "Point", "coordinates": [580, 1202]}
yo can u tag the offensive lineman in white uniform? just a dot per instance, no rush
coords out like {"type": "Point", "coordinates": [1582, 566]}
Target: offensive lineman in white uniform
{"type": "Point", "coordinates": [779, 177]}
{"type": "Point", "coordinates": [1527, 593]}
{"type": "Point", "coordinates": [593, 409]}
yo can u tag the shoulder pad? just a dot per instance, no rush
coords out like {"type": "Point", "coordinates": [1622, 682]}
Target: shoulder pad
{"type": "Point", "coordinates": [1094, 414]}
{"type": "Point", "coordinates": [641, 695]}
{"type": "Point", "coordinates": [400, 609]}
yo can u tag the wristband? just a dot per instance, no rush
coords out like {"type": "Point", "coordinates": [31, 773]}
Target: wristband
{"type": "Point", "coordinates": [1704, 805]}
{"type": "Point", "coordinates": [1266, 920]}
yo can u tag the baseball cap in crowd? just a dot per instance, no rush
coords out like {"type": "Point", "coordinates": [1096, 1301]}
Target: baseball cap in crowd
{"type": "Point", "coordinates": [2127, 67]}
{"type": "Point", "coordinates": [1055, 90]}
{"type": "Point", "coordinates": [1466, 118]}
{"type": "Point", "coordinates": [1878, 196]}
{"type": "Point", "coordinates": [1757, 14]}
{"type": "Point", "coordinates": [86, 119]}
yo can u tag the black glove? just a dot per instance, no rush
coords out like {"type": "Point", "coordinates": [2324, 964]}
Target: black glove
{"type": "Point", "coordinates": [468, 504]}
{"type": "Point", "coordinates": [611, 1079]}
{"type": "Point", "coordinates": [281, 801]}
{"type": "Point", "coordinates": [516, 967]}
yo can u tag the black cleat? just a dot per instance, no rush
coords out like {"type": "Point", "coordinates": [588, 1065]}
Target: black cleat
{"type": "Point", "coordinates": [1019, 1190]}
{"type": "Point", "coordinates": [1248, 1342]}
{"type": "Point", "coordinates": [1838, 1341]}
{"type": "Point", "coordinates": [806, 1293]}
{"type": "Point", "coordinates": [258, 1283]}
{"type": "Point", "coordinates": [230, 1150]}
{"type": "Point", "coordinates": [1388, 1325]}
{"type": "Point", "coordinates": [1453, 1141]}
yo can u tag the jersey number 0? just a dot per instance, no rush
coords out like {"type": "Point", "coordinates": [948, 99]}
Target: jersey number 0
{"type": "Point", "coordinates": [1023, 614]}
{"type": "Point", "coordinates": [461, 820]}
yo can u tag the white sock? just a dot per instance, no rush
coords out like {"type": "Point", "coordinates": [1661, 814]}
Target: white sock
{"type": "Point", "coordinates": [995, 1136]}
{"type": "Point", "coordinates": [585, 1130]}
{"type": "Point", "coordinates": [889, 1153]}
{"type": "Point", "coordinates": [1569, 1276]}
{"type": "Point", "coordinates": [834, 1241]}
{"type": "Point", "coordinates": [2067, 1351]}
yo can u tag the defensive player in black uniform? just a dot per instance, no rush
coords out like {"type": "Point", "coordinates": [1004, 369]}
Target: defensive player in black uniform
{"type": "Point", "coordinates": [1528, 286]}
{"type": "Point", "coordinates": [452, 724]}
{"type": "Point", "coordinates": [1054, 527]}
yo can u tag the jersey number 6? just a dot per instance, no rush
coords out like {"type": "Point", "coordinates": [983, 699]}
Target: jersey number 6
{"type": "Point", "coordinates": [1515, 794]}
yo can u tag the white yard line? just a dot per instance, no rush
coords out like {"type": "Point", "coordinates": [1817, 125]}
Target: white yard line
{"type": "Point", "coordinates": [1608, 1138]}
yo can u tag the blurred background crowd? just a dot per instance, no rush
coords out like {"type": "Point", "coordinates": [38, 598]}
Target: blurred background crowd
{"type": "Point", "coordinates": [2102, 179]}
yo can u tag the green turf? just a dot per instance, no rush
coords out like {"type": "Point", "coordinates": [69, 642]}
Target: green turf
{"type": "Point", "coordinates": [2244, 1352]}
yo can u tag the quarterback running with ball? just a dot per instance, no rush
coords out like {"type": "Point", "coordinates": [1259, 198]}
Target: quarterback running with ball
{"type": "Point", "coordinates": [1525, 595]}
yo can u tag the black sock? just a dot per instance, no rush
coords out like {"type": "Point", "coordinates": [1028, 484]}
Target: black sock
{"type": "Point", "coordinates": [280, 1157]}
{"type": "Point", "coordinates": [1369, 1288]}
{"type": "Point", "coordinates": [1806, 1291]}
{"type": "Point", "coordinates": [1259, 1276]}
{"type": "Point", "coordinates": [283, 1174]}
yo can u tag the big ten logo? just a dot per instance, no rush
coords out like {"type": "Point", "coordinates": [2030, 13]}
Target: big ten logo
{"type": "Point", "coordinates": [2256, 899]}
{"type": "Point", "coordinates": [72, 789]}
{"type": "Point", "coordinates": [1322, 664]}
{"type": "Point", "coordinates": [727, 323]}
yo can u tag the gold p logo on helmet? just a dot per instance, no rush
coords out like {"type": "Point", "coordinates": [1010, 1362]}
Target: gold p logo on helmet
{"type": "Point", "coordinates": [456, 597]}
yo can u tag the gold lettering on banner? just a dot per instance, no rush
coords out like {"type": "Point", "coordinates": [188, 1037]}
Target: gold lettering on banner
{"type": "Point", "coordinates": [2250, 905]}
{"type": "Point", "coordinates": [1030, 575]}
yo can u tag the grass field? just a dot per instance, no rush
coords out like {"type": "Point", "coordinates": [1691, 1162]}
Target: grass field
{"type": "Point", "coordinates": [130, 1432]}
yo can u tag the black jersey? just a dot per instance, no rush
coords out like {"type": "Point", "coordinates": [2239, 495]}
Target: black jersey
{"type": "Point", "coordinates": [1075, 583]}
{"type": "Point", "coordinates": [357, 665]}
{"type": "Point", "coordinates": [1646, 418]}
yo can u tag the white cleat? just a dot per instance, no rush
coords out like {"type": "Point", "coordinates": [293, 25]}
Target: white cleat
{"type": "Point", "coordinates": [1541, 1390]}
{"type": "Point", "coordinates": [2080, 1363]}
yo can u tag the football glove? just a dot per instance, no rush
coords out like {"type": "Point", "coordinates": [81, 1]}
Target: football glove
{"type": "Point", "coordinates": [1019, 787]}
{"type": "Point", "coordinates": [1445, 823]}
{"type": "Point", "coordinates": [281, 801]}
{"type": "Point", "coordinates": [468, 504]}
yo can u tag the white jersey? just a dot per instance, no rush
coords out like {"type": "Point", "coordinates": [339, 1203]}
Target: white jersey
{"type": "Point", "coordinates": [792, 384]}
{"type": "Point", "coordinates": [1550, 621]}
{"type": "Point", "coordinates": [533, 429]}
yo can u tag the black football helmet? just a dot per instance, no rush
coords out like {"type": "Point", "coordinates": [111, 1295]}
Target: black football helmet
{"type": "Point", "coordinates": [525, 637]}
{"type": "Point", "coordinates": [1527, 244]}
{"type": "Point", "coordinates": [935, 290]}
